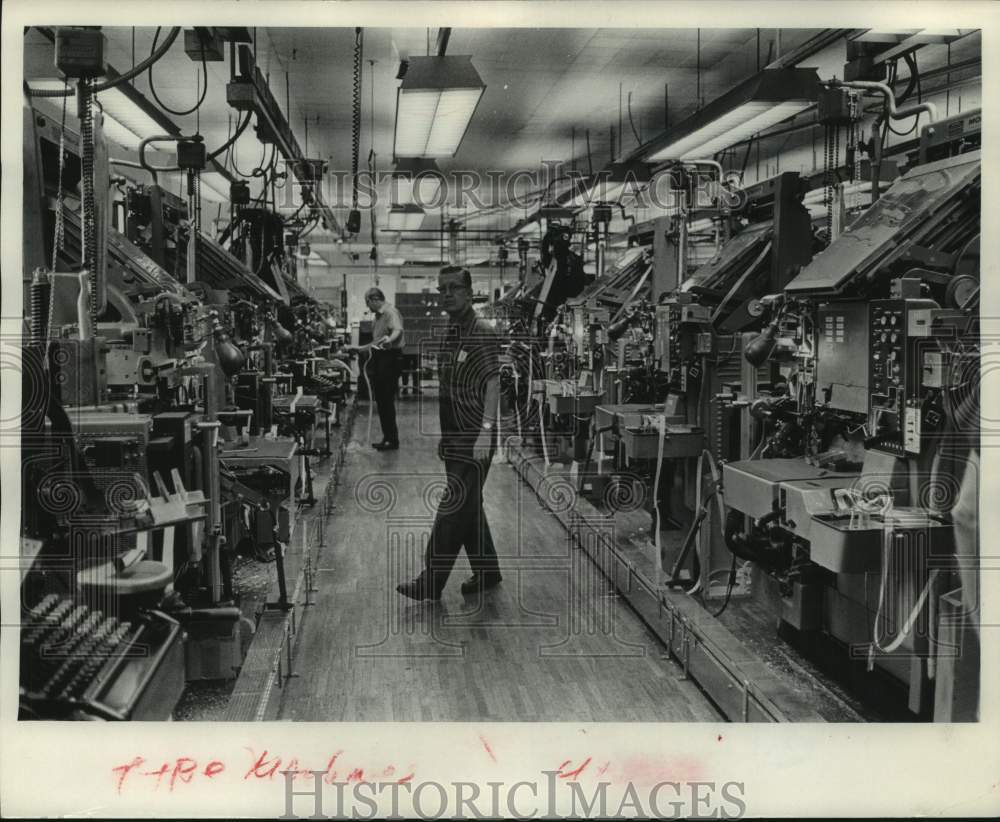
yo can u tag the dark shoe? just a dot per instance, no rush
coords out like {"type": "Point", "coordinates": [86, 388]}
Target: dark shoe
{"type": "Point", "coordinates": [481, 582]}
{"type": "Point", "coordinates": [417, 589]}
{"type": "Point", "coordinates": [386, 446]}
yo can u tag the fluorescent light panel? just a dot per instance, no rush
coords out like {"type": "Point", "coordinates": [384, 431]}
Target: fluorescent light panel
{"type": "Point", "coordinates": [758, 103]}
{"type": "Point", "coordinates": [434, 106]}
{"type": "Point", "coordinates": [734, 127]}
{"type": "Point", "coordinates": [432, 123]}
{"type": "Point", "coordinates": [124, 122]}
{"type": "Point", "coordinates": [133, 118]}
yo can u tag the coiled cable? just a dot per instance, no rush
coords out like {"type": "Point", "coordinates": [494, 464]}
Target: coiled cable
{"type": "Point", "coordinates": [356, 112]}
{"type": "Point", "coordinates": [88, 206]}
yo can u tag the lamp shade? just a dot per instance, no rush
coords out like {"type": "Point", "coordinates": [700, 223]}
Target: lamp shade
{"type": "Point", "coordinates": [758, 103]}
{"type": "Point", "coordinates": [416, 181]}
{"type": "Point", "coordinates": [434, 106]}
{"type": "Point", "coordinates": [405, 217]}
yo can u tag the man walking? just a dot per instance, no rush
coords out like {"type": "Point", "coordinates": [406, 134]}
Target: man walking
{"type": "Point", "coordinates": [469, 396]}
{"type": "Point", "coordinates": [386, 350]}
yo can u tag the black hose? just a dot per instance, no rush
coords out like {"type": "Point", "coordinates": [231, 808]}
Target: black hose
{"type": "Point", "coordinates": [204, 90]}
{"type": "Point", "coordinates": [231, 140]}
{"type": "Point", "coordinates": [913, 81]}
{"type": "Point", "coordinates": [232, 162]}
{"type": "Point", "coordinates": [729, 588]}
{"type": "Point", "coordinates": [121, 78]}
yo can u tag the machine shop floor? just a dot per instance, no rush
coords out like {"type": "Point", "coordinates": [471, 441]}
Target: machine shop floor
{"type": "Point", "coordinates": [552, 643]}
{"type": "Point", "coordinates": [809, 693]}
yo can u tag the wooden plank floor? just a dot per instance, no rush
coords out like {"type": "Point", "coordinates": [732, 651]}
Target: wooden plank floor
{"type": "Point", "coordinates": [552, 643]}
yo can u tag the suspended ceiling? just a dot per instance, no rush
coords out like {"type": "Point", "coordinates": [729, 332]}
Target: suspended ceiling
{"type": "Point", "coordinates": [547, 90]}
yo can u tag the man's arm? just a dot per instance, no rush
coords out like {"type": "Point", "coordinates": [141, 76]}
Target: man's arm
{"type": "Point", "coordinates": [395, 326]}
{"type": "Point", "coordinates": [491, 396]}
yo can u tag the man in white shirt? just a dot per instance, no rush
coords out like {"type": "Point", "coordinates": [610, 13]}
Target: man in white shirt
{"type": "Point", "coordinates": [386, 350]}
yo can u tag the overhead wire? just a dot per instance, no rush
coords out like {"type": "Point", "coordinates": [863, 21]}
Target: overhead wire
{"type": "Point", "coordinates": [914, 80]}
{"type": "Point", "coordinates": [356, 113]}
{"type": "Point", "coordinates": [372, 161]}
{"type": "Point", "coordinates": [204, 90]}
{"type": "Point", "coordinates": [231, 139]}
{"type": "Point", "coordinates": [635, 133]}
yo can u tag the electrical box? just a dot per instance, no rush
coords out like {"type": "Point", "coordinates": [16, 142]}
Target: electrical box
{"type": "Point", "coordinates": [81, 52]}
{"type": "Point", "coordinates": [861, 63]}
{"type": "Point", "coordinates": [239, 193]}
{"type": "Point", "coordinates": [899, 337]}
{"type": "Point", "coordinates": [954, 135]}
{"type": "Point", "coordinates": [203, 42]}
{"type": "Point", "coordinates": [673, 345]}
{"type": "Point", "coordinates": [191, 154]}
{"type": "Point", "coordinates": [834, 107]}
{"type": "Point", "coordinates": [241, 95]}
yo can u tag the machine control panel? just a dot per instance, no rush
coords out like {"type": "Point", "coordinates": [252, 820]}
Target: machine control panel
{"type": "Point", "coordinates": [895, 373]}
{"type": "Point", "coordinates": [674, 345]}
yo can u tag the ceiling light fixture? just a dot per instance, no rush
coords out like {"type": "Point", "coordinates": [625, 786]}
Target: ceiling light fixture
{"type": "Point", "coordinates": [434, 105]}
{"type": "Point", "coordinates": [405, 218]}
{"type": "Point", "coordinates": [416, 181]}
{"type": "Point", "coordinates": [124, 122]}
{"type": "Point", "coordinates": [756, 104]}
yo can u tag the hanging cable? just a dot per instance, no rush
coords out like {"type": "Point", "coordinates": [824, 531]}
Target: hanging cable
{"type": "Point", "coordinates": [635, 133]}
{"type": "Point", "coordinates": [204, 90]}
{"type": "Point", "coordinates": [230, 140]}
{"type": "Point", "coordinates": [356, 113]}
{"type": "Point", "coordinates": [232, 162]}
{"type": "Point", "coordinates": [372, 161]}
{"type": "Point", "coordinates": [913, 81]}
{"type": "Point", "coordinates": [88, 206]}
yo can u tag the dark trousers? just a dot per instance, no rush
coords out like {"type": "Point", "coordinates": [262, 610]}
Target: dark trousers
{"type": "Point", "coordinates": [384, 377]}
{"type": "Point", "coordinates": [460, 522]}
{"type": "Point", "coordinates": [411, 369]}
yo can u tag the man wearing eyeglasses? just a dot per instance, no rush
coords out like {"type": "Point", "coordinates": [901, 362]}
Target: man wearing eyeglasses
{"type": "Point", "coordinates": [386, 350]}
{"type": "Point", "coordinates": [469, 376]}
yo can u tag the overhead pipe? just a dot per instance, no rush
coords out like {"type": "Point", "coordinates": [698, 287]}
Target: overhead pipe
{"type": "Point", "coordinates": [890, 99]}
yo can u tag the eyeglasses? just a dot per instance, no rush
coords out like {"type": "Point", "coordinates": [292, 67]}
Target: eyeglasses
{"type": "Point", "coordinates": [451, 289]}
